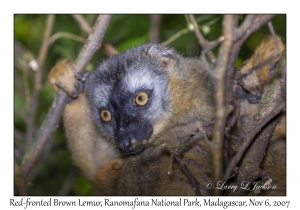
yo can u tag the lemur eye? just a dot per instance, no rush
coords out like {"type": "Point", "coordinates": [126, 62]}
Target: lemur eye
{"type": "Point", "coordinates": [105, 115]}
{"type": "Point", "coordinates": [141, 99]}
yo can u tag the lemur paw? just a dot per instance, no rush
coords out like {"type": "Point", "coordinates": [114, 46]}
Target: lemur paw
{"type": "Point", "coordinates": [256, 72]}
{"type": "Point", "coordinates": [64, 75]}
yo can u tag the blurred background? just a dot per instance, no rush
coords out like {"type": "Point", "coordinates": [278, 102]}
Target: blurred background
{"type": "Point", "coordinates": [54, 173]}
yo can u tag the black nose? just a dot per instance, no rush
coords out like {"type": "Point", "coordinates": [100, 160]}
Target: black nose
{"type": "Point", "coordinates": [137, 129]}
{"type": "Point", "coordinates": [126, 147]}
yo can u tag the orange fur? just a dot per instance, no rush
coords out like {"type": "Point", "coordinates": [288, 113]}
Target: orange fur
{"type": "Point", "coordinates": [263, 53]}
{"type": "Point", "coordinates": [90, 152]}
{"type": "Point", "coordinates": [107, 176]}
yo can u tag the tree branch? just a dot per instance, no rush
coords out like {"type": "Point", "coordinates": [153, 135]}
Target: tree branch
{"type": "Point", "coordinates": [87, 29]}
{"type": "Point", "coordinates": [175, 36]}
{"type": "Point", "coordinates": [19, 181]}
{"type": "Point", "coordinates": [66, 187]}
{"type": "Point", "coordinates": [38, 78]}
{"type": "Point", "coordinates": [245, 27]}
{"type": "Point", "coordinates": [202, 41]}
{"type": "Point", "coordinates": [50, 123]}
{"type": "Point", "coordinates": [154, 28]}
{"type": "Point", "coordinates": [83, 24]}
{"type": "Point", "coordinates": [220, 98]}
{"type": "Point", "coordinates": [65, 35]}
{"type": "Point", "coordinates": [249, 28]}
{"type": "Point", "coordinates": [191, 178]}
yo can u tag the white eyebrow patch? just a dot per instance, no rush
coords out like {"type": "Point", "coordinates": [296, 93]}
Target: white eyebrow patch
{"type": "Point", "coordinates": [138, 79]}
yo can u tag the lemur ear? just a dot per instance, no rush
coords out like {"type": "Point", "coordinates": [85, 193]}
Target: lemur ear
{"type": "Point", "coordinates": [163, 56]}
{"type": "Point", "coordinates": [157, 50]}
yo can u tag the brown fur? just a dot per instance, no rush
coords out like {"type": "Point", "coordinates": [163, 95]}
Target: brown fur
{"type": "Point", "coordinates": [106, 177]}
{"type": "Point", "coordinates": [191, 96]}
{"type": "Point", "coordinates": [90, 152]}
{"type": "Point", "coordinates": [146, 173]}
{"type": "Point", "coordinates": [261, 76]}
{"type": "Point", "coordinates": [274, 163]}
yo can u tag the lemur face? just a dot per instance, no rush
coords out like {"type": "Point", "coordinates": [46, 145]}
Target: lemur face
{"type": "Point", "coordinates": [128, 96]}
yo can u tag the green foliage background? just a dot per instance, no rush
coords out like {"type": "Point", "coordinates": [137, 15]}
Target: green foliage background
{"type": "Point", "coordinates": [54, 172]}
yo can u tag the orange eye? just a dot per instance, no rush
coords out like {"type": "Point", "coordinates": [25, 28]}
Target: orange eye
{"type": "Point", "coordinates": [141, 99]}
{"type": "Point", "coordinates": [105, 115]}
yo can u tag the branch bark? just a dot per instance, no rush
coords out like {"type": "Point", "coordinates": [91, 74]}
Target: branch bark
{"type": "Point", "coordinates": [155, 28]}
{"type": "Point", "coordinates": [202, 41]}
{"type": "Point", "coordinates": [83, 24]}
{"type": "Point", "coordinates": [87, 29]}
{"type": "Point", "coordinates": [220, 99]}
{"type": "Point", "coordinates": [38, 78]}
{"type": "Point", "coordinates": [191, 178]}
{"type": "Point", "coordinates": [50, 123]}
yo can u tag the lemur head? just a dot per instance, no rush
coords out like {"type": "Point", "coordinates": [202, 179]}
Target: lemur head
{"type": "Point", "coordinates": [128, 94]}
